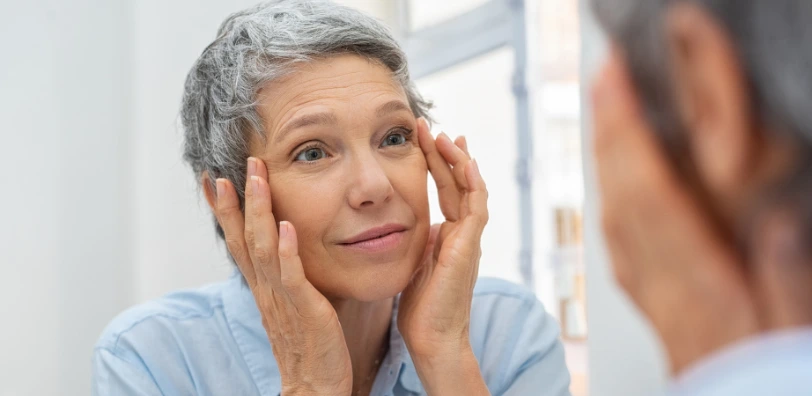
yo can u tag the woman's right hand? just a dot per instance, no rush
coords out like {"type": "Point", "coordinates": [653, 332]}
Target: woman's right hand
{"type": "Point", "coordinates": [302, 325]}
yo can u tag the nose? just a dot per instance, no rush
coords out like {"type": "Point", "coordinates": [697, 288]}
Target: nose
{"type": "Point", "coordinates": [370, 184]}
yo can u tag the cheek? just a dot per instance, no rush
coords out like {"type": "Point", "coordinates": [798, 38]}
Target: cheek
{"type": "Point", "coordinates": [305, 202]}
{"type": "Point", "coordinates": [410, 181]}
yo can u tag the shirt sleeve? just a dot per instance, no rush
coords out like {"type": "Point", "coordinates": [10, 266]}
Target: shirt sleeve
{"type": "Point", "coordinates": [537, 365]}
{"type": "Point", "coordinates": [113, 375]}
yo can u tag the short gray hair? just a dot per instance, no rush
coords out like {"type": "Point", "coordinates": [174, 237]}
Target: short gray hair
{"type": "Point", "coordinates": [256, 46]}
{"type": "Point", "coordinates": [772, 39]}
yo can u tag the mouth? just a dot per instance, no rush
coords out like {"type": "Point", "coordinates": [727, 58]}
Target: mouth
{"type": "Point", "coordinates": [377, 239]}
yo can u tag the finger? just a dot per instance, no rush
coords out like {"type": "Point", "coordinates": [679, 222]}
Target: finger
{"type": "Point", "coordinates": [447, 189]}
{"type": "Point", "coordinates": [464, 249]}
{"type": "Point", "coordinates": [231, 220]}
{"type": "Point", "coordinates": [260, 169]}
{"type": "Point", "coordinates": [455, 157]}
{"type": "Point", "coordinates": [462, 143]}
{"type": "Point", "coordinates": [476, 198]}
{"type": "Point", "coordinates": [434, 232]}
{"type": "Point", "coordinates": [261, 233]}
{"type": "Point", "coordinates": [300, 291]}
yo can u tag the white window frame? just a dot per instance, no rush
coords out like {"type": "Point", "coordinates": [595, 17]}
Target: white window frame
{"type": "Point", "coordinates": [489, 27]}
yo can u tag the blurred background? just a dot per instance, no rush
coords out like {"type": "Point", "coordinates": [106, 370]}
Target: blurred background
{"type": "Point", "coordinates": [101, 213]}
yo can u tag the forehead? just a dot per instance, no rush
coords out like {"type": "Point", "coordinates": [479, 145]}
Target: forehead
{"type": "Point", "coordinates": [345, 79]}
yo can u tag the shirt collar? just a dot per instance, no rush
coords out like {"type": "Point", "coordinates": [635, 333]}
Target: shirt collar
{"type": "Point", "coordinates": [245, 324]}
{"type": "Point", "coordinates": [760, 349]}
{"type": "Point", "coordinates": [397, 349]}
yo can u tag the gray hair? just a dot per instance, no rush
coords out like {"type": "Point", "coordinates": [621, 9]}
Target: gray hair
{"type": "Point", "coordinates": [772, 41]}
{"type": "Point", "coordinates": [259, 45]}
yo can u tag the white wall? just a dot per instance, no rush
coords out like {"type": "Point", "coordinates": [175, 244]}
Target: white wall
{"type": "Point", "coordinates": [98, 210]}
{"type": "Point", "coordinates": [624, 356]}
{"type": "Point", "coordinates": [64, 262]}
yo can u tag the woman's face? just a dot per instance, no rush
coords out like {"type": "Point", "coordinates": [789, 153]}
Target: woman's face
{"type": "Point", "coordinates": [345, 168]}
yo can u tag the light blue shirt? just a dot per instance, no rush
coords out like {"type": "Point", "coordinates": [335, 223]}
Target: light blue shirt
{"type": "Point", "coordinates": [777, 364]}
{"type": "Point", "coordinates": [210, 341]}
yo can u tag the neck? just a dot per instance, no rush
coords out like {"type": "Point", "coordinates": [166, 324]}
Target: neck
{"type": "Point", "coordinates": [366, 331]}
{"type": "Point", "coordinates": [782, 275]}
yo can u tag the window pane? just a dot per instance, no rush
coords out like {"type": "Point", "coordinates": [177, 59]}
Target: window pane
{"type": "Point", "coordinates": [423, 13]}
{"type": "Point", "coordinates": [475, 99]}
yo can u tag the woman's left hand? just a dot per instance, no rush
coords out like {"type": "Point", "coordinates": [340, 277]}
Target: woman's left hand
{"type": "Point", "coordinates": [434, 310]}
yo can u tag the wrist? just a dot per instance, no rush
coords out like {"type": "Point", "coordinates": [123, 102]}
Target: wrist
{"type": "Point", "coordinates": [451, 371]}
{"type": "Point", "coordinates": [312, 389]}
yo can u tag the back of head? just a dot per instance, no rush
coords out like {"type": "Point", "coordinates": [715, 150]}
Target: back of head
{"type": "Point", "coordinates": [771, 40]}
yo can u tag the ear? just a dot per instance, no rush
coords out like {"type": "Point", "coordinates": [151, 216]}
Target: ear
{"type": "Point", "coordinates": [713, 98]}
{"type": "Point", "coordinates": [209, 190]}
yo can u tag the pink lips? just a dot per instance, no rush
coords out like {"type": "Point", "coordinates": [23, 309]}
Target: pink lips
{"type": "Point", "coordinates": [377, 239]}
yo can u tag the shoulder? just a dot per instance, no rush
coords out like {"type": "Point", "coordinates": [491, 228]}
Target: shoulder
{"type": "Point", "coordinates": [505, 301]}
{"type": "Point", "coordinates": [498, 299]}
{"type": "Point", "coordinates": [516, 340]}
{"type": "Point", "coordinates": [161, 316]}
{"type": "Point", "coordinates": [494, 287]}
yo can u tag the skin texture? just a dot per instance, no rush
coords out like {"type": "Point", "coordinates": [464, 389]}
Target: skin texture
{"type": "Point", "coordinates": [669, 239]}
{"type": "Point", "coordinates": [342, 154]}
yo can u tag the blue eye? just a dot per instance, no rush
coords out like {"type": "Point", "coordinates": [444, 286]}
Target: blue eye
{"type": "Point", "coordinates": [311, 154]}
{"type": "Point", "coordinates": [395, 139]}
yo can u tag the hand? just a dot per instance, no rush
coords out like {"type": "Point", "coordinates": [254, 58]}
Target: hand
{"type": "Point", "coordinates": [665, 251]}
{"type": "Point", "coordinates": [302, 325]}
{"type": "Point", "coordinates": [434, 311]}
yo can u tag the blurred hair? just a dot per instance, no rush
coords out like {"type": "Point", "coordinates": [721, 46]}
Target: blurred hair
{"type": "Point", "coordinates": [772, 39]}
{"type": "Point", "coordinates": [256, 46]}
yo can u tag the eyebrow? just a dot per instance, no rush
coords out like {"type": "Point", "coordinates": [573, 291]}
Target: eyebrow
{"type": "Point", "coordinates": [391, 107]}
{"type": "Point", "coordinates": [323, 118]}
{"type": "Point", "coordinates": [328, 118]}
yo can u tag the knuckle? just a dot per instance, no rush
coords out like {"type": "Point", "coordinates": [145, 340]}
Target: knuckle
{"type": "Point", "coordinates": [228, 211]}
{"type": "Point", "coordinates": [289, 282]}
{"type": "Point", "coordinates": [263, 253]}
{"type": "Point", "coordinates": [285, 252]}
{"type": "Point", "coordinates": [250, 237]}
{"type": "Point", "coordinates": [235, 247]}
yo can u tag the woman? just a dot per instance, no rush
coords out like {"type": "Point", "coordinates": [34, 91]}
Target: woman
{"type": "Point", "coordinates": [312, 148]}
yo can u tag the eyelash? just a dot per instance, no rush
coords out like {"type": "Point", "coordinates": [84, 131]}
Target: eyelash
{"type": "Point", "coordinates": [406, 132]}
{"type": "Point", "coordinates": [309, 146]}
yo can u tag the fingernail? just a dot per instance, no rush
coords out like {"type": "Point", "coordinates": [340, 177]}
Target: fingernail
{"type": "Point", "coordinates": [252, 166]}
{"type": "Point", "coordinates": [283, 229]}
{"type": "Point", "coordinates": [221, 188]}
{"type": "Point", "coordinates": [254, 184]}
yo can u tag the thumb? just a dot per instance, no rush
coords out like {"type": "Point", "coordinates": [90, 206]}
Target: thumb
{"type": "Point", "coordinates": [434, 233]}
{"type": "Point", "coordinates": [300, 291]}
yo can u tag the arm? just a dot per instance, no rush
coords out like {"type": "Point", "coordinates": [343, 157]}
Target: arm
{"type": "Point", "coordinates": [434, 314]}
{"type": "Point", "coordinates": [113, 375]}
{"type": "Point", "coordinates": [453, 373]}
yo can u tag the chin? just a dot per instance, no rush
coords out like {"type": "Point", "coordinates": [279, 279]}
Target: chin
{"type": "Point", "coordinates": [382, 282]}
{"type": "Point", "coordinates": [371, 284]}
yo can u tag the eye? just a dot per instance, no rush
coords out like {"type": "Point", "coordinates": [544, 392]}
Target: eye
{"type": "Point", "coordinates": [395, 139]}
{"type": "Point", "coordinates": [310, 154]}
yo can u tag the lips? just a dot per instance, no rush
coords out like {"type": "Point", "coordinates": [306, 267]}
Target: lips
{"type": "Point", "coordinates": [374, 233]}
